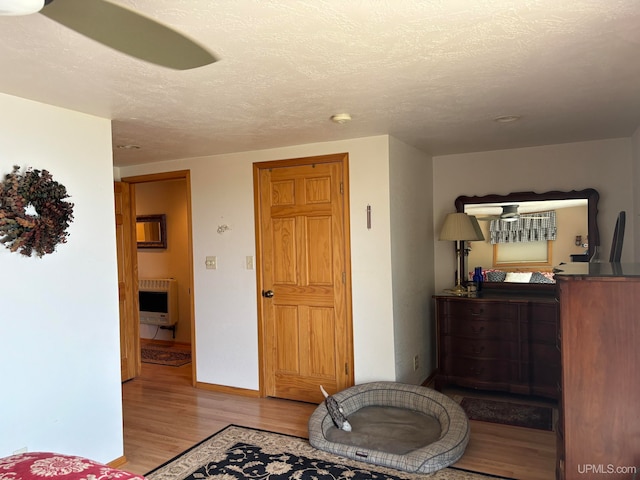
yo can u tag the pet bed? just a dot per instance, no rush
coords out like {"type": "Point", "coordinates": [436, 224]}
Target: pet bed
{"type": "Point", "coordinates": [406, 427]}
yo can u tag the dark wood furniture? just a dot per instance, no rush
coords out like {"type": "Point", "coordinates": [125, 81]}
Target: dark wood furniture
{"type": "Point", "coordinates": [505, 342]}
{"type": "Point", "coordinates": [599, 426]}
{"type": "Point", "coordinates": [579, 257]}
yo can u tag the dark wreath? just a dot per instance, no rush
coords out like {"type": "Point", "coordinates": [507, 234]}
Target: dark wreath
{"type": "Point", "coordinates": [39, 233]}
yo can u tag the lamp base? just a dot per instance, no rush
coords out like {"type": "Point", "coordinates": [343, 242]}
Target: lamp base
{"type": "Point", "coordinates": [457, 290]}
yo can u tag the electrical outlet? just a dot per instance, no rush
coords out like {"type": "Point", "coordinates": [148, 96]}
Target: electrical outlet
{"type": "Point", "coordinates": [249, 262]}
{"type": "Point", "coordinates": [211, 263]}
{"type": "Point", "coordinates": [416, 363]}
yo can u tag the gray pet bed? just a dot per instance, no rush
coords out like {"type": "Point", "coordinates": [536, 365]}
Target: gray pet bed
{"type": "Point", "coordinates": [406, 427]}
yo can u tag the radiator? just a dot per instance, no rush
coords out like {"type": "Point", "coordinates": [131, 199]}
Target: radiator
{"type": "Point", "coordinates": [158, 301]}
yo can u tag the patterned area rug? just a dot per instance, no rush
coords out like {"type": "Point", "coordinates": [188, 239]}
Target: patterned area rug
{"type": "Point", "coordinates": [507, 413]}
{"type": "Point", "coordinates": [244, 453]}
{"type": "Point", "coordinates": [173, 355]}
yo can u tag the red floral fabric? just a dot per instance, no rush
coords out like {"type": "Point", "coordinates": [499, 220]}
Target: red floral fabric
{"type": "Point", "coordinates": [53, 466]}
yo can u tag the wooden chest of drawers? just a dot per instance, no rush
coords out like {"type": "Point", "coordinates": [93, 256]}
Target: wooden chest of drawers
{"type": "Point", "coordinates": [598, 429]}
{"type": "Point", "coordinates": [501, 342]}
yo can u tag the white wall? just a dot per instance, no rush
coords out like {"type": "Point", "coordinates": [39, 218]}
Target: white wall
{"type": "Point", "coordinates": [411, 191]}
{"type": "Point", "coordinates": [605, 165]}
{"type": "Point", "coordinates": [60, 354]}
{"type": "Point", "coordinates": [226, 298]}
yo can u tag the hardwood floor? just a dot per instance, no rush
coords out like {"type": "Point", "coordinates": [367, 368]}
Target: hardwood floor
{"type": "Point", "coordinates": [164, 415]}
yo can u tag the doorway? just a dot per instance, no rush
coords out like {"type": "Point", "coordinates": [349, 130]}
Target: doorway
{"type": "Point", "coordinates": [305, 320]}
{"type": "Point", "coordinates": [168, 195]}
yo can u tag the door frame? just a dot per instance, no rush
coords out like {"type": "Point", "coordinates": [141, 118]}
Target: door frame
{"type": "Point", "coordinates": [343, 159]}
{"type": "Point", "coordinates": [177, 175]}
{"type": "Point", "coordinates": [127, 270]}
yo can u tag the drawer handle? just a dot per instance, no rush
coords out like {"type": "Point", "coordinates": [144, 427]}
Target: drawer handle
{"type": "Point", "coordinates": [477, 330]}
{"type": "Point", "coordinates": [478, 313]}
{"type": "Point", "coordinates": [477, 350]}
{"type": "Point", "coordinates": [477, 371]}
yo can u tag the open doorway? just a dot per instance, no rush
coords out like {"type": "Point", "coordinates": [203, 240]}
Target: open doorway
{"type": "Point", "coordinates": [165, 276]}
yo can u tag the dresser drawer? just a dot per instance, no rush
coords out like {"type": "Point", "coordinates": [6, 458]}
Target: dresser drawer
{"type": "Point", "coordinates": [482, 310]}
{"type": "Point", "coordinates": [478, 328]}
{"type": "Point", "coordinates": [480, 348]}
{"type": "Point", "coordinates": [541, 353]}
{"type": "Point", "coordinates": [485, 370]}
{"type": "Point", "coordinates": [540, 332]}
{"type": "Point", "coordinates": [545, 360]}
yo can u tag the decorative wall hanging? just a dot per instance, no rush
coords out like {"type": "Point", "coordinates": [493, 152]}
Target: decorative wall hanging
{"type": "Point", "coordinates": [151, 231]}
{"type": "Point", "coordinates": [33, 214]}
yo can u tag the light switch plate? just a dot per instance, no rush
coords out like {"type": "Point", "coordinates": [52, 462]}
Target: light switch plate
{"type": "Point", "coordinates": [249, 262]}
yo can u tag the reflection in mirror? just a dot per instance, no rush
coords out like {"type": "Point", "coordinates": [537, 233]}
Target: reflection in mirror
{"type": "Point", "coordinates": [527, 234]}
{"type": "Point", "coordinates": [151, 231]}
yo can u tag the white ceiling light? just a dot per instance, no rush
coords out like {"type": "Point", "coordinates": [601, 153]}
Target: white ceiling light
{"type": "Point", "coordinates": [341, 118]}
{"type": "Point", "coordinates": [20, 7]}
{"type": "Point", "coordinates": [507, 118]}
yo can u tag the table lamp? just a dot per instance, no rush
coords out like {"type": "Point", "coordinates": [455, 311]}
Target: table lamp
{"type": "Point", "coordinates": [460, 227]}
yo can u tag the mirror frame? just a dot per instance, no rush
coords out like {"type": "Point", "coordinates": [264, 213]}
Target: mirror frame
{"type": "Point", "coordinates": [590, 194]}
{"type": "Point", "coordinates": [162, 221]}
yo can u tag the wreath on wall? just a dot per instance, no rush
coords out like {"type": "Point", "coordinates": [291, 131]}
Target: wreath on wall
{"type": "Point", "coordinates": [34, 216]}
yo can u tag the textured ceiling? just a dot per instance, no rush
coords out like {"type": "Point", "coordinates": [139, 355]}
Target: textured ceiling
{"type": "Point", "coordinates": [433, 73]}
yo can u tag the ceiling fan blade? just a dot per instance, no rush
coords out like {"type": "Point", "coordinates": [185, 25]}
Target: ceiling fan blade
{"type": "Point", "coordinates": [506, 218]}
{"type": "Point", "coordinates": [128, 32]}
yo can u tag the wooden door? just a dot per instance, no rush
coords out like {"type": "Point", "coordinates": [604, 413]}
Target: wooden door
{"type": "Point", "coordinates": [127, 281]}
{"type": "Point", "coordinates": [304, 277]}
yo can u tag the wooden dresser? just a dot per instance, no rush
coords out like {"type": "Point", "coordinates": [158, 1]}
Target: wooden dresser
{"type": "Point", "coordinates": [499, 341]}
{"type": "Point", "coordinates": [599, 425]}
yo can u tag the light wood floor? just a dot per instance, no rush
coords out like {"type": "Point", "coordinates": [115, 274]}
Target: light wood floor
{"type": "Point", "coordinates": [164, 415]}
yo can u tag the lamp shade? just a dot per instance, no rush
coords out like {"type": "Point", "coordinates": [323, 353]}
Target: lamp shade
{"type": "Point", "coordinates": [459, 226]}
{"type": "Point", "coordinates": [476, 227]}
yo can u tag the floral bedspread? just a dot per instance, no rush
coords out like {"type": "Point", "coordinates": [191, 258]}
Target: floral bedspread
{"type": "Point", "coordinates": [53, 466]}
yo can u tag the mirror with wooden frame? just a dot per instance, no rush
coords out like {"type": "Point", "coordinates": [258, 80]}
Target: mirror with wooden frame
{"type": "Point", "coordinates": [510, 261]}
{"type": "Point", "coordinates": [151, 231]}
